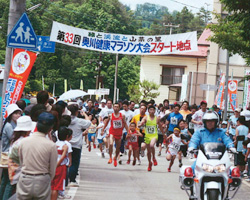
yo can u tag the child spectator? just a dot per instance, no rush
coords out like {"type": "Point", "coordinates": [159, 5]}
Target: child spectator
{"type": "Point", "coordinates": [61, 169]}
{"type": "Point", "coordinates": [102, 138]}
{"type": "Point", "coordinates": [62, 195]}
{"type": "Point", "coordinates": [133, 145]}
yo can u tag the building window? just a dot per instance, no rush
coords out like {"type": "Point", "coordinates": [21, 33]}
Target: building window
{"type": "Point", "coordinates": [171, 74]}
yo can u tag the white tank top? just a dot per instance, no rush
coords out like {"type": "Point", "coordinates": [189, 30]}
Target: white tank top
{"type": "Point", "coordinates": [175, 144]}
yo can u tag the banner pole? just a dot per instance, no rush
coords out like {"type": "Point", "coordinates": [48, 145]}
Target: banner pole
{"type": "Point", "coordinates": [116, 73]}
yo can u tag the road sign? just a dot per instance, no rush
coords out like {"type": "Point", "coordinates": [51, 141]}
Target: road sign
{"type": "Point", "coordinates": [22, 35]}
{"type": "Point", "coordinates": [208, 87]}
{"type": "Point", "coordinates": [44, 45]}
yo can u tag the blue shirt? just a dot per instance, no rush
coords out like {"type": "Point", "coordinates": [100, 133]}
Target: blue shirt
{"type": "Point", "coordinates": [243, 130]}
{"type": "Point", "coordinates": [233, 122]}
{"type": "Point", "coordinates": [203, 136]}
{"type": "Point", "coordinates": [184, 132]}
{"type": "Point", "coordinates": [173, 120]}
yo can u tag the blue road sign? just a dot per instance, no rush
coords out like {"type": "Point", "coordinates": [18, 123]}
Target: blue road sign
{"type": "Point", "coordinates": [22, 35]}
{"type": "Point", "coordinates": [44, 45]}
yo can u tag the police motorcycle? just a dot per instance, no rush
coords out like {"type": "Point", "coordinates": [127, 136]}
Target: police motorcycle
{"type": "Point", "coordinates": [214, 177]}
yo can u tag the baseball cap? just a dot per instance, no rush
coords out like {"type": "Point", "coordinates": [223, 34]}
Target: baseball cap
{"type": "Point", "coordinates": [96, 104]}
{"type": "Point", "coordinates": [24, 123]}
{"type": "Point", "coordinates": [12, 108]}
{"type": "Point", "coordinates": [46, 119]}
{"type": "Point", "coordinates": [103, 101]}
{"type": "Point", "coordinates": [237, 110]}
{"type": "Point", "coordinates": [224, 122]}
{"type": "Point", "coordinates": [203, 102]}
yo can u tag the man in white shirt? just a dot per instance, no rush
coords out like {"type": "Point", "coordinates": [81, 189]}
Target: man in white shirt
{"type": "Point", "coordinates": [106, 111]}
{"type": "Point", "coordinates": [198, 115]}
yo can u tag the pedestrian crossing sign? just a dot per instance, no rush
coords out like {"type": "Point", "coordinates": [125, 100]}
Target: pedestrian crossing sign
{"type": "Point", "coordinates": [22, 35]}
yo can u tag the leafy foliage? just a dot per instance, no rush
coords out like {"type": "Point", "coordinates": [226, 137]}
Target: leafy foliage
{"type": "Point", "coordinates": [74, 64]}
{"type": "Point", "coordinates": [232, 31]}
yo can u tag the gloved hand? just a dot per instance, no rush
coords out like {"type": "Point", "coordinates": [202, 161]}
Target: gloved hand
{"type": "Point", "coordinates": [233, 150]}
{"type": "Point", "coordinates": [191, 149]}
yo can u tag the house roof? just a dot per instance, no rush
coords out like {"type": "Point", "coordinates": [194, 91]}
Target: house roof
{"type": "Point", "coordinates": [203, 45]}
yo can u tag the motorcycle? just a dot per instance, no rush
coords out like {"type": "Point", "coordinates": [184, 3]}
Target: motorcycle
{"type": "Point", "coordinates": [214, 177]}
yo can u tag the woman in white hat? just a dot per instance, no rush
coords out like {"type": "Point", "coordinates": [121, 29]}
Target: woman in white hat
{"type": "Point", "coordinates": [22, 130]}
{"type": "Point", "coordinates": [13, 113]}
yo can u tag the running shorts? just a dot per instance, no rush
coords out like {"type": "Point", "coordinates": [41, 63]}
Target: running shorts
{"type": "Point", "coordinates": [59, 179]}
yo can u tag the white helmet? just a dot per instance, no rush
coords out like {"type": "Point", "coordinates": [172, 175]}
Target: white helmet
{"type": "Point", "coordinates": [210, 116]}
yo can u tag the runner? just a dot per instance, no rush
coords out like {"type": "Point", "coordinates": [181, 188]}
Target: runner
{"type": "Point", "coordinates": [197, 116]}
{"type": "Point", "coordinates": [151, 134]}
{"type": "Point", "coordinates": [137, 120]}
{"type": "Point", "coordinates": [174, 147]}
{"type": "Point", "coordinates": [92, 133]}
{"type": "Point", "coordinates": [160, 135]}
{"type": "Point", "coordinates": [128, 116]}
{"type": "Point", "coordinates": [132, 138]}
{"type": "Point", "coordinates": [102, 138]}
{"type": "Point", "coordinates": [118, 122]}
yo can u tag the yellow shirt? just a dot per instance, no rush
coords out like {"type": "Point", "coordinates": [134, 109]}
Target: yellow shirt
{"type": "Point", "coordinates": [184, 113]}
{"type": "Point", "coordinates": [136, 120]}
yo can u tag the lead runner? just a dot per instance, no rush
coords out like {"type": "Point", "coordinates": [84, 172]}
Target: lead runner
{"type": "Point", "coordinates": [118, 122]}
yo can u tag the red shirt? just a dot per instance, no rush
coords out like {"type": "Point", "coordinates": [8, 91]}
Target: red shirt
{"type": "Point", "coordinates": [116, 125]}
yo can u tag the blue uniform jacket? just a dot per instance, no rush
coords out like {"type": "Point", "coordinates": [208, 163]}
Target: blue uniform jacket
{"type": "Point", "coordinates": [203, 136]}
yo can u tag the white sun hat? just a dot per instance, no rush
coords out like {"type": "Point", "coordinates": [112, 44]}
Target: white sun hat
{"type": "Point", "coordinates": [12, 108]}
{"type": "Point", "coordinates": [24, 123]}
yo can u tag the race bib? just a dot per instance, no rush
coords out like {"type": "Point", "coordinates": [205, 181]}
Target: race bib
{"type": "Point", "coordinates": [117, 124]}
{"type": "Point", "coordinates": [133, 138]}
{"type": "Point", "coordinates": [174, 121]}
{"type": "Point", "coordinates": [175, 146]}
{"type": "Point", "coordinates": [191, 125]}
{"type": "Point", "coordinates": [151, 129]}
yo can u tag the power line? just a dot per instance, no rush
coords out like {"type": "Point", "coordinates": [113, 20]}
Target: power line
{"type": "Point", "coordinates": [188, 5]}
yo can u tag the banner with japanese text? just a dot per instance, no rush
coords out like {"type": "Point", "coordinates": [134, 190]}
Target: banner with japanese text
{"type": "Point", "coordinates": [219, 100]}
{"type": "Point", "coordinates": [246, 98]}
{"type": "Point", "coordinates": [123, 44]}
{"type": "Point", "coordinates": [22, 63]}
{"type": "Point", "coordinates": [232, 93]}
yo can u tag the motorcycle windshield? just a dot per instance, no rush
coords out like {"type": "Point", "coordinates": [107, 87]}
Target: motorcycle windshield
{"type": "Point", "coordinates": [213, 150]}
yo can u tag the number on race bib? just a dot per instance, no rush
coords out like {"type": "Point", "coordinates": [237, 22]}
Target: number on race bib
{"type": "Point", "coordinates": [175, 146]}
{"type": "Point", "coordinates": [133, 138]}
{"type": "Point", "coordinates": [174, 121]}
{"type": "Point", "coordinates": [191, 125]}
{"type": "Point", "coordinates": [117, 124]}
{"type": "Point", "coordinates": [151, 129]}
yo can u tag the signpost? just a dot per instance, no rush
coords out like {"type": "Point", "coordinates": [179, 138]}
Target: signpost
{"type": "Point", "coordinates": [44, 45]}
{"type": "Point", "coordinates": [22, 35]}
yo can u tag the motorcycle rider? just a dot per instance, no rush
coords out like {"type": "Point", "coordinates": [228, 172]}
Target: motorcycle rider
{"type": "Point", "coordinates": [210, 133]}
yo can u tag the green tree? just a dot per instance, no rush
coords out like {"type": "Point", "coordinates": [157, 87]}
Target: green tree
{"type": "Point", "coordinates": [144, 90]}
{"type": "Point", "coordinates": [232, 31]}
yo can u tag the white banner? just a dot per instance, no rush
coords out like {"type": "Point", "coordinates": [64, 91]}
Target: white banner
{"type": "Point", "coordinates": [246, 98]}
{"type": "Point", "coordinates": [184, 87]}
{"type": "Point", "coordinates": [123, 44]}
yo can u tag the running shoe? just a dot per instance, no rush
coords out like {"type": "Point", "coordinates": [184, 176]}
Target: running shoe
{"type": "Point", "coordinates": [134, 162]}
{"type": "Point", "coordinates": [64, 196]}
{"type": "Point", "coordinates": [150, 166]}
{"type": "Point", "coordinates": [73, 184]}
{"type": "Point", "coordinates": [120, 162]}
{"type": "Point", "coordinates": [159, 154]}
{"type": "Point", "coordinates": [94, 146]}
{"type": "Point", "coordinates": [115, 162]}
{"type": "Point", "coordinates": [89, 148]}
{"type": "Point", "coordinates": [103, 155]}
{"type": "Point", "coordinates": [180, 165]}
{"type": "Point", "coordinates": [110, 161]}
{"type": "Point", "coordinates": [139, 162]}
{"type": "Point", "coordinates": [155, 162]}
{"type": "Point", "coordinates": [169, 170]}
{"type": "Point", "coordinates": [142, 154]}
{"type": "Point", "coordinates": [128, 162]}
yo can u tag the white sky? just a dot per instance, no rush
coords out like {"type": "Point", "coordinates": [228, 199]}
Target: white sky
{"type": "Point", "coordinates": [172, 5]}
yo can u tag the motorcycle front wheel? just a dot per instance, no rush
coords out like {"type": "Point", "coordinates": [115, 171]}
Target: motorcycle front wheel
{"type": "Point", "coordinates": [213, 194]}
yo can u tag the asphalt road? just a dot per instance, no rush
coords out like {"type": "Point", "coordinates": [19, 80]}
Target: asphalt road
{"type": "Point", "coordinates": [101, 181]}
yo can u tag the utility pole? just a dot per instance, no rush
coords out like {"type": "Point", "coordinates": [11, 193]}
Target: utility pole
{"type": "Point", "coordinates": [99, 71]}
{"type": "Point", "coordinates": [226, 88]}
{"type": "Point", "coordinates": [115, 83]}
{"type": "Point", "coordinates": [171, 27]}
{"type": "Point", "coordinates": [16, 9]}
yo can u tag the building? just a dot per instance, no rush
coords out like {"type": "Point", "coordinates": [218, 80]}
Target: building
{"type": "Point", "coordinates": [168, 70]}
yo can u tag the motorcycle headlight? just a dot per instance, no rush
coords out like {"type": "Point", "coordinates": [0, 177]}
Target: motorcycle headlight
{"type": "Point", "coordinates": [208, 168]}
{"type": "Point", "coordinates": [220, 168]}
